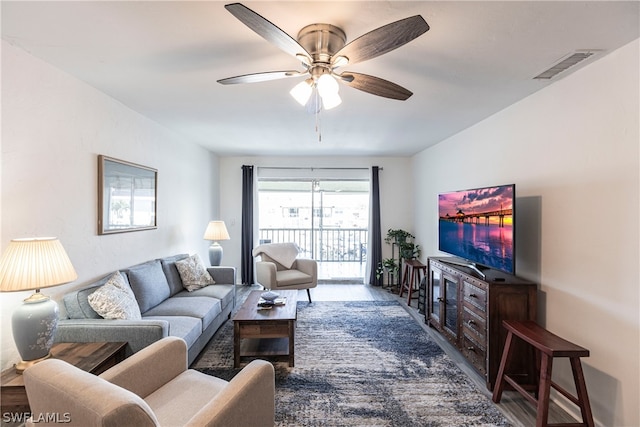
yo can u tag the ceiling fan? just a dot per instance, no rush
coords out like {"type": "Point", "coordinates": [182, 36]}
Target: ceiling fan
{"type": "Point", "coordinates": [322, 49]}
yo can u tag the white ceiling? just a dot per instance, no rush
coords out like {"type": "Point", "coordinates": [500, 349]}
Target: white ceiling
{"type": "Point", "coordinates": [162, 59]}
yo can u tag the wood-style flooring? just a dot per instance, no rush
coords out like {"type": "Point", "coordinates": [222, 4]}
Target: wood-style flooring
{"type": "Point", "coordinates": [515, 407]}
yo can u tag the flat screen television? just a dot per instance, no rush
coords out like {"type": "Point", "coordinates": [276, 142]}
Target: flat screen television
{"type": "Point", "coordinates": [478, 226]}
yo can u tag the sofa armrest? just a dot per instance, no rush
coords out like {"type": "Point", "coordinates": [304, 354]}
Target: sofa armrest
{"type": "Point", "coordinates": [255, 383]}
{"type": "Point", "coordinates": [137, 333]}
{"type": "Point", "coordinates": [223, 275]}
{"type": "Point", "coordinates": [266, 274]}
{"type": "Point", "coordinates": [150, 368]}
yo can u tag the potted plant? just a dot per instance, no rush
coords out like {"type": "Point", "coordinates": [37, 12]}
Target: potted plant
{"type": "Point", "coordinates": [389, 266]}
{"type": "Point", "coordinates": [397, 236]}
{"type": "Point", "coordinates": [407, 249]}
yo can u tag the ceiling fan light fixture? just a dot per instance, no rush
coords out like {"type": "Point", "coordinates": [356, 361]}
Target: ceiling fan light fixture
{"type": "Point", "coordinates": [327, 85]}
{"type": "Point", "coordinates": [331, 100]}
{"type": "Point", "coordinates": [302, 92]}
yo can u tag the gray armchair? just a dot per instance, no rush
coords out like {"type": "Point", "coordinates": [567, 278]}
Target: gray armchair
{"type": "Point", "coordinates": [153, 387]}
{"type": "Point", "coordinates": [302, 274]}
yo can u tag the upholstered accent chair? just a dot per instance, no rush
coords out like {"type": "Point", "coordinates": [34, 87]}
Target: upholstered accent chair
{"type": "Point", "coordinates": [279, 268]}
{"type": "Point", "coordinates": [153, 387]}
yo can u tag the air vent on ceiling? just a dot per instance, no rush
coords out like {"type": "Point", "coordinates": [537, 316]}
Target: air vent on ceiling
{"type": "Point", "coordinates": [565, 63]}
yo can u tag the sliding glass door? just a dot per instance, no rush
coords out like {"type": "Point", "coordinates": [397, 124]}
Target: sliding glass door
{"type": "Point", "coordinates": [327, 218]}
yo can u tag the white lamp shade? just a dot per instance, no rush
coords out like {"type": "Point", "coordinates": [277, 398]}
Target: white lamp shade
{"type": "Point", "coordinates": [35, 263]}
{"type": "Point", "coordinates": [331, 100]}
{"type": "Point", "coordinates": [327, 84]}
{"type": "Point", "coordinates": [216, 230]}
{"type": "Point", "coordinates": [301, 92]}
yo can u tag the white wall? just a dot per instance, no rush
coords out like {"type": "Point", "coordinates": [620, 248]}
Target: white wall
{"type": "Point", "coordinates": [396, 186]}
{"type": "Point", "coordinates": [573, 152]}
{"type": "Point", "coordinates": [53, 128]}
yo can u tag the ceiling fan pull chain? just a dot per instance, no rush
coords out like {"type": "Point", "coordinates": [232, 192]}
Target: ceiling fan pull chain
{"type": "Point", "coordinates": [319, 125]}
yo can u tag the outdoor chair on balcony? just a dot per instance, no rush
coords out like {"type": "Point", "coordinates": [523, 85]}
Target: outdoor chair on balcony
{"type": "Point", "coordinates": [279, 268]}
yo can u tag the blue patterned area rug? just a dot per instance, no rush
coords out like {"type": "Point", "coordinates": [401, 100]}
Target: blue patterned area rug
{"type": "Point", "coordinates": [363, 363]}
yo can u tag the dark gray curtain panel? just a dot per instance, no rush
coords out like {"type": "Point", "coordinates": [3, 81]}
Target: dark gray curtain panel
{"type": "Point", "coordinates": [246, 267]}
{"type": "Point", "coordinates": [374, 251]}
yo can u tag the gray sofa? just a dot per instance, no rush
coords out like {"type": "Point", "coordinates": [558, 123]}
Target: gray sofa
{"type": "Point", "coordinates": [167, 308]}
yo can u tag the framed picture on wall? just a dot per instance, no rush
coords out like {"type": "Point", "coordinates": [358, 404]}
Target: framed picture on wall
{"type": "Point", "coordinates": [126, 196]}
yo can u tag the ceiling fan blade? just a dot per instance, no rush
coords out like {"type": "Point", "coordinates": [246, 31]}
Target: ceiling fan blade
{"type": "Point", "coordinates": [267, 30]}
{"type": "Point", "coordinates": [374, 85]}
{"type": "Point", "coordinates": [383, 39]}
{"type": "Point", "coordinates": [260, 77]}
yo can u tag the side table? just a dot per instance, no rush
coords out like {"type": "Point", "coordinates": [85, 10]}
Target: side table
{"type": "Point", "coordinates": [93, 357]}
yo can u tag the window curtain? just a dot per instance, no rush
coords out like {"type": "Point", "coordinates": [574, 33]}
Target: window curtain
{"type": "Point", "coordinates": [374, 251]}
{"type": "Point", "coordinates": [246, 261]}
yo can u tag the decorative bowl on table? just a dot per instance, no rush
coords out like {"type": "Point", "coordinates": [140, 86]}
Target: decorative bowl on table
{"type": "Point", "coordinates": [269, 296]}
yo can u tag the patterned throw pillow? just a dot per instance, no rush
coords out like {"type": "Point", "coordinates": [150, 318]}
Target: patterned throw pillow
{"type": "Point", "coordinates": [115, 300]}
{"type": "Point", "coordinates": [193, 273]}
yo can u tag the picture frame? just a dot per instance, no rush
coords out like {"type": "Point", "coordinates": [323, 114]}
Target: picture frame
{"type": "Point", "coordinates": [127, 195]}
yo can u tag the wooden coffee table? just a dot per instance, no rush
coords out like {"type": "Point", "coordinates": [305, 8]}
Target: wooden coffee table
{"type": "Point", "coordinates": [93, 357]}
{"type": "Point", "coordinates": [266, 334]}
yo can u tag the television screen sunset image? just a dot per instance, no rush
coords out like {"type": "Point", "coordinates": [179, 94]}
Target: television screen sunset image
{"type": "Point", "coordinates": [477, 225]}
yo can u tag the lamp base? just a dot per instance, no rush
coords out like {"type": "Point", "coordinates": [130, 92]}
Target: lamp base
{"type": "Point", "coordinates": [24, 364]}
{"type": "Point", "coordinates": [34, 325]}
{"type": "Point", "coordinates": [215, 254]}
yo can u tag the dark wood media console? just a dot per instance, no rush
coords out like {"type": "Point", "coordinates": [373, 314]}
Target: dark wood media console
{"type": "Point", "coordinates": [468, 311]}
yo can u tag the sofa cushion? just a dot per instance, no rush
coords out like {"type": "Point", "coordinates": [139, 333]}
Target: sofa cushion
{"type": "Point", "coordinates": [149, 284]}
{"type": "Point", "coordinates": [171, 272]}
{"type": "Point", "coordinates": [204, 308]}
{"type": "Point", "coordinates": [77, 302]}
{"type": "Point", "coordinates": [221, 292]}
{"type": "Point", "coordinates": [185, 327]}
{"type": "Point", "coordinates": [292, 277]}
{"type": "Point", "coordinates": [193, 273]}
{"type": "Point", "coordinates": [115, 300]}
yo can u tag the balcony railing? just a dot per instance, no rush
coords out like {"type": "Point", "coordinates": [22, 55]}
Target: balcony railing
{"type": "Point", "coordinates": [325, 245]}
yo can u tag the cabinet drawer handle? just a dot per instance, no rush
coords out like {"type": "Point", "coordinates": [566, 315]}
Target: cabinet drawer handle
{"type": "Point", "coordinates": [472, 295]}
{"type": "Point", "coordinates": [471, 322]}
{"type": "Point", "coordinates": [440, 299]}
{"type": "Point", "coordinates": [471, 349]}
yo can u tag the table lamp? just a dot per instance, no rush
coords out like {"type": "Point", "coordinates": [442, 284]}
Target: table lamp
{"type": "Point", "coordinates": [33, 264]}
{"type": "Point", "coordinates": [216, 230]}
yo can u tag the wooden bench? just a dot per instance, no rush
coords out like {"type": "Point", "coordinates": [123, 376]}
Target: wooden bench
{"type": "Point", "coordinates": [548, 346]}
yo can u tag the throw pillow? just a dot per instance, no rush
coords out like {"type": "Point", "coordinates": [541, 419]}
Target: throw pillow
{"type": "Point", "coordinates": [193, 273]}
{"type": "Point", "coordinates": [115, 300]}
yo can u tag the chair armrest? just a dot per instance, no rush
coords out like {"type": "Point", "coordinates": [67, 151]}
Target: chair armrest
{"type": "Point", "coordinates": [137, 333]}
{"type": "Point", "coordinates": [255, 383]}
{"type": "Point", "coordinates": [79, 398]}
{"type": "Point", "coordinates": [150, 368]}
{"type": "Point", "coordinates": [223, 275]}
{"type": "Point", "coordinates": [266, 274]}
{"type": "Point", "coordinates": [308, 266]}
